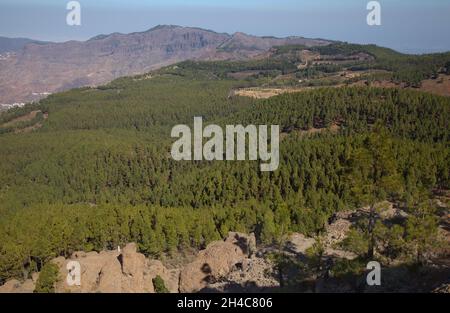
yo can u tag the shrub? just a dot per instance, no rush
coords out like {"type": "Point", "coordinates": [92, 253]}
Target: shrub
{"type": "Point", "coordinates": [159, 285]}
{"type": "Point", "coordinates": [47, 279]}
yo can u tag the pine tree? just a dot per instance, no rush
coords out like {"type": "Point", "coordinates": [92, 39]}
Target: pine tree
{"type": "Point", "coordinates": [422, 231]}
{"type": "Point", "coordinates": [373, 176]}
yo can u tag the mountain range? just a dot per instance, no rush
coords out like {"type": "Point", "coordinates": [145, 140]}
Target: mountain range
{"type": "Point", "coordinates": [16, 44]}
{"type": "Point", "coordinates": [31, 69]}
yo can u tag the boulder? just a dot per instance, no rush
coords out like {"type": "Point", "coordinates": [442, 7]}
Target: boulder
{"type": "Point", "coordinates": [213, 263]}
{"type": "Point", "coordinates": [107, 272]}
{"type": "Point", "coordinates": [100, 272]}
{"type": "Point", "coordinates": [109, 279]}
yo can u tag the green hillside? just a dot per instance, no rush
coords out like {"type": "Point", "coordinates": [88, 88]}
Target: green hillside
{"type": "Point", "coordinates": [98, 173]}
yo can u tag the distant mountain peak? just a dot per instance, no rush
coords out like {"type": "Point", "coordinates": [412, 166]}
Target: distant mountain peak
{"type": "Point", "coordinates": [163, 26]}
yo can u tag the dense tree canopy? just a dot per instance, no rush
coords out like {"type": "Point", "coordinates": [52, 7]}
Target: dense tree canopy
{"type": "Point", "coordinates": [99, 172]}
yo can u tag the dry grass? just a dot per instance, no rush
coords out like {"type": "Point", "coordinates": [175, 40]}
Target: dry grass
{"type": "Point", "coordinates": [266, 93]}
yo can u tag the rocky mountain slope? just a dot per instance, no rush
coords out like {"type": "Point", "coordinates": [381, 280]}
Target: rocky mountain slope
{"type": "Point", "coordinates": [15, 44]}
{"type": "Point", "coordinates": [36, 69]}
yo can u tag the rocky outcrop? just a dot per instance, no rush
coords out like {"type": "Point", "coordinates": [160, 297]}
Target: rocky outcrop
{"type": "Point", "coordinates": [127, 271]}
{"type": "Point", "coordinates": [133, 265]}
{"type": "Point", "coordinates": [233, 264]}
{"type": "Point", "coordinates": [112, 271]}
{"type": "Point", "coordinates": [215, 262]}
{"type": "Point", "coordinates": [171, 277]}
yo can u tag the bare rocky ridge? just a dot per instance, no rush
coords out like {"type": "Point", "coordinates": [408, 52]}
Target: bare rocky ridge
{"type": "Point", "coordinates": [37, 69]}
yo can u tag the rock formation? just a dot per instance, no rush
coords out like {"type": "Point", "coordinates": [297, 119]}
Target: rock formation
{"type": "Point", "coordinates": [215, 262]}
{"type": "Point", "coordinates": [111, 271]}
{"type": "Point", "coordinates": [233, 264]}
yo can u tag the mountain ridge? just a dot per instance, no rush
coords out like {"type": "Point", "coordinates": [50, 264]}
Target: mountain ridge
{"type": "Point", "coordinates": [102, 58]}
{"type": "Point", "coordinates": [8, 44]}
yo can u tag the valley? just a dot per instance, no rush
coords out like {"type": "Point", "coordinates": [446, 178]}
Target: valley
{"type": "Point", "coordinates": [98, 170]}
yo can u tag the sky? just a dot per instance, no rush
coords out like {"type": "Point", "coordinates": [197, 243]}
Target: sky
{"type": "Point", "coordinates": [411, 26]}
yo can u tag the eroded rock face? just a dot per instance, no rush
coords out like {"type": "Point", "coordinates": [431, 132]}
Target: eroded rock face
{"type": "Point", "coordinates": [110, 272]}
{"type": "Point", "coordinates": [127, 271]}
{"type": "Point", "coordinates": [99, 272]}
{"type": "Point", "coordinates": [215, 262]}
{"type": "Point", "coordinates": [171, 277]}
{"type": "Point", "coordinates": [133, 265]}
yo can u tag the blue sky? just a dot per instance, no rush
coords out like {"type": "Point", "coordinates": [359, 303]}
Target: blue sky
{"type": "Point", "coordinates": [414, 26]}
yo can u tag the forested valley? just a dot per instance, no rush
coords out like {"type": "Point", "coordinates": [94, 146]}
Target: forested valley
{"type": "Point", "coordinates": [99, 174]}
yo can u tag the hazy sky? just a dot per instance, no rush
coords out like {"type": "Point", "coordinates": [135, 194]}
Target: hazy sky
{"type": "Point", "coordinates": [414, 26]}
